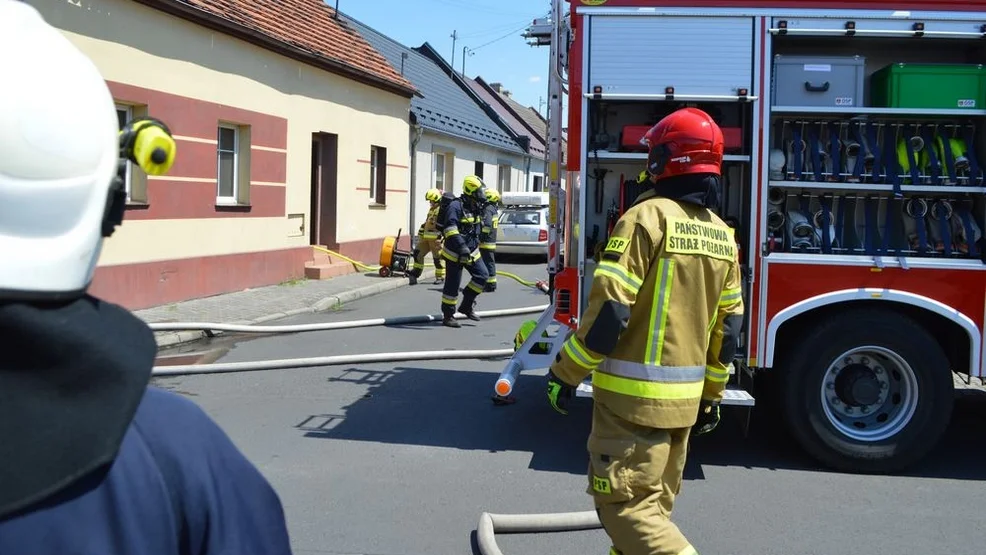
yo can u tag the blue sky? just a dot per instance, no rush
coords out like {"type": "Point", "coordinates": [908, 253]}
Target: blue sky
{"type": "Point", "coordinates": [491, 27]}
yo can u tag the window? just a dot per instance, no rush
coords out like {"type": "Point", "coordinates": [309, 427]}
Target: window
{"type": "Point", "coordinates": [538, 183]}
{"type": "Point", "coordinates": [378, 174]}
{"type": "Point", "coordinates": [124, 114]}
{"type": "Point", "coordinates": [503, 177]}
{"type": "Point", "coordinates": [478, 169]}
{"type": "Point", "coordinates": [228, 154]}
{"type": "Point", "coordinates": [438, 171]}
{"type": "Point", "coordinates": [521, 217]}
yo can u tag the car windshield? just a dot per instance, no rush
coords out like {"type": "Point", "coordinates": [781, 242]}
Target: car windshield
{"type": "Point", "coordinates": [522, 217]}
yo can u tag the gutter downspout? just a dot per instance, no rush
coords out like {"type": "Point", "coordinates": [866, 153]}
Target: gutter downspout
{"type": "Point", "coordinates": [417, 130]}
{"type": "Point", "coordinates": [527, 173]}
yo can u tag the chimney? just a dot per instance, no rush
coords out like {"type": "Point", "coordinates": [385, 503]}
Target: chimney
{"type": "Point", "coordinates": [498, 87]}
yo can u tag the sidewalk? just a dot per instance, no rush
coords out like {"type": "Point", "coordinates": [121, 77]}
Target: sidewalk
{"type": "Point", "coordinates": [263, 304]}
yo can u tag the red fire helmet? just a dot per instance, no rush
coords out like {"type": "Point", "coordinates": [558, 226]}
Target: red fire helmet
{"type": "Point", "coordinates": [685, 141]}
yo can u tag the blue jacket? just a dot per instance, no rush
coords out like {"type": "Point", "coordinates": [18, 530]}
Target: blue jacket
{"type": "Point", "coordinates": [178, 486]}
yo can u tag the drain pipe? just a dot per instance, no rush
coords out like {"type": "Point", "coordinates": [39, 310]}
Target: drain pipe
{"type": "Point", "coordinates": [413, 170]}
{"type": "Point", "coordinates": [490, 524]}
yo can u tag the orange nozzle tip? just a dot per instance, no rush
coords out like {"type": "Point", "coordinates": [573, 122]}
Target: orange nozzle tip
{"type": "Point", "coordinates": [502, 387]}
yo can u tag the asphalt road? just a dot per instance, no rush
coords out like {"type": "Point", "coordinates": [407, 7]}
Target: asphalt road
{"type": "Point", "coordinates": [385, 459]}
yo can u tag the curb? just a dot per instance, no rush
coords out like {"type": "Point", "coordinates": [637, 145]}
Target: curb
{"type": "Point", "coordinates": [175, 338]}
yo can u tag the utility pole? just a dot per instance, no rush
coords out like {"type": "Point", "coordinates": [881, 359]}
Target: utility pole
{"type": "Point", "coordinates": [454, 37]}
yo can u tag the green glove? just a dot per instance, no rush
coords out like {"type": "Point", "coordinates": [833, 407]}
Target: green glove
{"type": "Point", "coordinates": [708, 417]}
{"type": "Point", "coordinates": [559, 393]}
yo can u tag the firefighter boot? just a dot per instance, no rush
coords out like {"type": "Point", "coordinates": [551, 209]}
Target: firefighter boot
{"type": "Point", "coordinates": [468, 306]}
{"type": "Point", "coordinates": [413, 279]}
{"type": "Point", "coordinates": [448, 319]}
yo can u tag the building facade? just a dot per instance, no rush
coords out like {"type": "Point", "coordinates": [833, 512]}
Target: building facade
{"type": "Point", "coordinates": [284, 141]}
{"type": "Point", "coordinates": [454, 133]}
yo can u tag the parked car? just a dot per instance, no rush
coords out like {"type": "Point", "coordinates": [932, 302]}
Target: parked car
{"type": "Point", "coordinates": [523, 224]}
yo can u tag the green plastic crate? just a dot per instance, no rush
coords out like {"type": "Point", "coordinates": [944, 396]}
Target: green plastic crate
{"type": "Point", "coordinates": [932, 86]}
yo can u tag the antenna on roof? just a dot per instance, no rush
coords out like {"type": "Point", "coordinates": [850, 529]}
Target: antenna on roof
{"type": "Point", "coordinates": [404, 56]}
{"type": "Point", "coordinates": [336, 15]}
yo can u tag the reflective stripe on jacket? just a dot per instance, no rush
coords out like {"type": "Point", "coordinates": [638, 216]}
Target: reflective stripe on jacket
{"type": "Point", "coordinates": [460, 229]}
{"type": "Point", "coordinates": [429, 229]}
{"type": "Point", "coordinates": [675, 268]}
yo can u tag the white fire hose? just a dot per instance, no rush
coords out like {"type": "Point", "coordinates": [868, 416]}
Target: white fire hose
{"type": "Point", "coordinates": [489, 523]}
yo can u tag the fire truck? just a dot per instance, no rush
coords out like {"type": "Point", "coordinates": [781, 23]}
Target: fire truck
{"type": "Point", "coordinates": [853, 177]}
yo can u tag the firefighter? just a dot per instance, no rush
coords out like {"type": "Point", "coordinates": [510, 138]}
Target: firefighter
{"type": "Point", "coordinates": [487, 237]}
{"type": "Point", "coordinates": [459, 221]}
{"type": "Point", "coordinates": [658, 337]}
{"type": "Point", "coordinates": [95, 459]}
{"type": "Point", "coordinates": [429, 240]}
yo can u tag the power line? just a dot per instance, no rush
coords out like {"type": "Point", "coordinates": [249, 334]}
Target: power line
{"type": "Point", "coordinates": [525, 26]}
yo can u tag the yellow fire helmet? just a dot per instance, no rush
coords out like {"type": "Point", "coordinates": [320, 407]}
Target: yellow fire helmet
{"type": "Point", "coordinates": [492, 196]}
{"type": "Point", "coordinates": [472, 186]}
{"type": "Point", "coordinates": [433, 195]}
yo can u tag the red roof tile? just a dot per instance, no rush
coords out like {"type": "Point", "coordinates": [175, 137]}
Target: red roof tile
{"type": "Point", "coordinates": [306, 24]}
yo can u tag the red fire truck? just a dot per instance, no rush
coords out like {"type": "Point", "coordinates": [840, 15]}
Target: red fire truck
{"type": "Point", "coordinates": [853, 176]}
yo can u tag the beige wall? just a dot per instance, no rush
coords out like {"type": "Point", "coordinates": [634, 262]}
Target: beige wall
{"type": "Point", "coordinates": [465, 154]}
{"type": "Point", "coordinates": [140, 46]}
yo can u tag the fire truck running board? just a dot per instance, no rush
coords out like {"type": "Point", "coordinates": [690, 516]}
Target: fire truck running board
{"type": "Point", "coordinates": [733, 395]}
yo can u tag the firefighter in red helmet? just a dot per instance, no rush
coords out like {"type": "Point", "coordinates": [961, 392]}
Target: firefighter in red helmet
{"type": "Point", "coordinates": [658, 337]}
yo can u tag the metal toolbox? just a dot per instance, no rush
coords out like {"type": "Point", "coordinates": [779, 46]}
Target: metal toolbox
{"type": "Point", "coordinates": [817, 81]}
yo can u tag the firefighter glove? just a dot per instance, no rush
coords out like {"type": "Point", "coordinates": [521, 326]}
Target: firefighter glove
{"type": "Point", "coordinates": [708, 417]}
{"type": "Point", "coordinates": [559, 393]}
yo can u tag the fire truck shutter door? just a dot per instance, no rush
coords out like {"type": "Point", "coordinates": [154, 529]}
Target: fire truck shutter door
{"type": "Point", "coordinates": [645, 54]}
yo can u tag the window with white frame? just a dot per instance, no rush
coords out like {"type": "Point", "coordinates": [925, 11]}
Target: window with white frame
{"type": "Point", "coordinates": [438, 172]}
{"type": "Point", "coordinates": [227, 154]}
{"type": "Point", "coordinates": [378, 174]}
{"type": "Point", "coordinates": [124, 114]}
{"type": "Point", "coordinates": [503, 177]}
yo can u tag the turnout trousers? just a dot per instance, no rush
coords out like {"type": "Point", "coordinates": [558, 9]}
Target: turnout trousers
{"type": "Point", "coordinates": [450, 291]}
{"type": "Point", "coordinates": [424, 246]}
{"type": "Point", "coordinates": [489, 259]}
{"type": "Point", "coordinates": [635, 472]}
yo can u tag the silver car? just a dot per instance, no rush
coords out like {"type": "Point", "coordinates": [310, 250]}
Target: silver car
{"type": "Point", "coordinates": [523, 224]}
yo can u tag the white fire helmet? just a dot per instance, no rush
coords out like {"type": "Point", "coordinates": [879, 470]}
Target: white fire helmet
{"type": "Point", "coordinates": [58, 156]}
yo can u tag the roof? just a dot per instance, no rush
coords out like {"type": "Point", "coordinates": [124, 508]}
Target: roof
{"type": "Point", "coordinates": [492, 98]}
{"type": "Point", "coordinates": [444, 105]}
{"type": "Point", "coordinates": [306, 30]}
{"type": "Point", "coordinates": [536, 126]}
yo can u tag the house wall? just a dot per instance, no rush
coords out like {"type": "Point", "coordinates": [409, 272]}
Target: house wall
{"type": "Point", "coordinates": [464, 155]}
{"type": "Point", "coordinates": [177, 243]}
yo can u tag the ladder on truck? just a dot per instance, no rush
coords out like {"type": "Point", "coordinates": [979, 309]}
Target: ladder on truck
{"type": "Point", "coordinates": [545, 341]}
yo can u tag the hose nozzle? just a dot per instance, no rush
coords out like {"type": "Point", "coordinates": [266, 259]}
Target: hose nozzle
{"type": "Point", "coordinates": [917, 143]}
{"type": "Point", "coordinates": [776, 196]}
{"type": "Point", "coordinates": [775, 220]}
{"type": "Point", "coordinates": [916, 208]}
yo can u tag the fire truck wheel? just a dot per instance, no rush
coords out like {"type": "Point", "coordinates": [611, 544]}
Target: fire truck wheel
{"type": "Point", "coordinates": [868, 390]}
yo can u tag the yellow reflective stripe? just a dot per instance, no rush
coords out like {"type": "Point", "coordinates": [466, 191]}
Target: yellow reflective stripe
{"type": "Point", "coordinates": [419, 266]}
{"type": "Point", "coordinates": [729, 296]}
{"type": "Point", "coordinates": [450, 255]}
{"type": "Point", "coordinates": [659, 310]}
{"type": "Point", "coordinates": [429, 235]}
{"type": "Point", "coordinates": [717, 375]}
{"type": "Point", "coordinates": [449, 300]}
{"type": "Point", "coordinates": [488, 246]}
{"type": "Point", "coordinates": [579, 354]}
{"type": "Point", "coordinates": [486, 229]}
{"type": "Point", "coordinates": [712, 323]}
{"type": "Point", "coordinates": [627, 279]}
{"type": "Point", "coordinates": [451, 231]}
{"type": "Point", "coordinates": [648, 390]}
{"type": "Point", "coordinates": [474, 286]}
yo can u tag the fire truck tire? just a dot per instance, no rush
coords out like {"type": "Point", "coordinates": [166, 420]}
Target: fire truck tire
{"type": "Point", "coordinates": [868, 391]}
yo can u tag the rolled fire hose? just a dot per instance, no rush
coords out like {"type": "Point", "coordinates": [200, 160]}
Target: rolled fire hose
{"type": "Point", "coordinates": [775, 162]}
{"type": "Point", "coordinates": [799, 229]}
{"type": "Point", "coordinates": [817, 220]}
{"type": "Point", "coordinates": [325, 326]}
{"type": "Point", "coordinates": [915, 209]}
{"type": "Point", "coordinates": [490, 524]}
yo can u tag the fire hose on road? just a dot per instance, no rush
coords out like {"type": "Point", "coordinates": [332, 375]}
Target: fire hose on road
{"type": "Point", "coordinates": [489, 524]}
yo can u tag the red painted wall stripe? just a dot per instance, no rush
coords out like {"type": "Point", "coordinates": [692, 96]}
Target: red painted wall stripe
{"type": "Point", "coordinates": [176, 200]}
